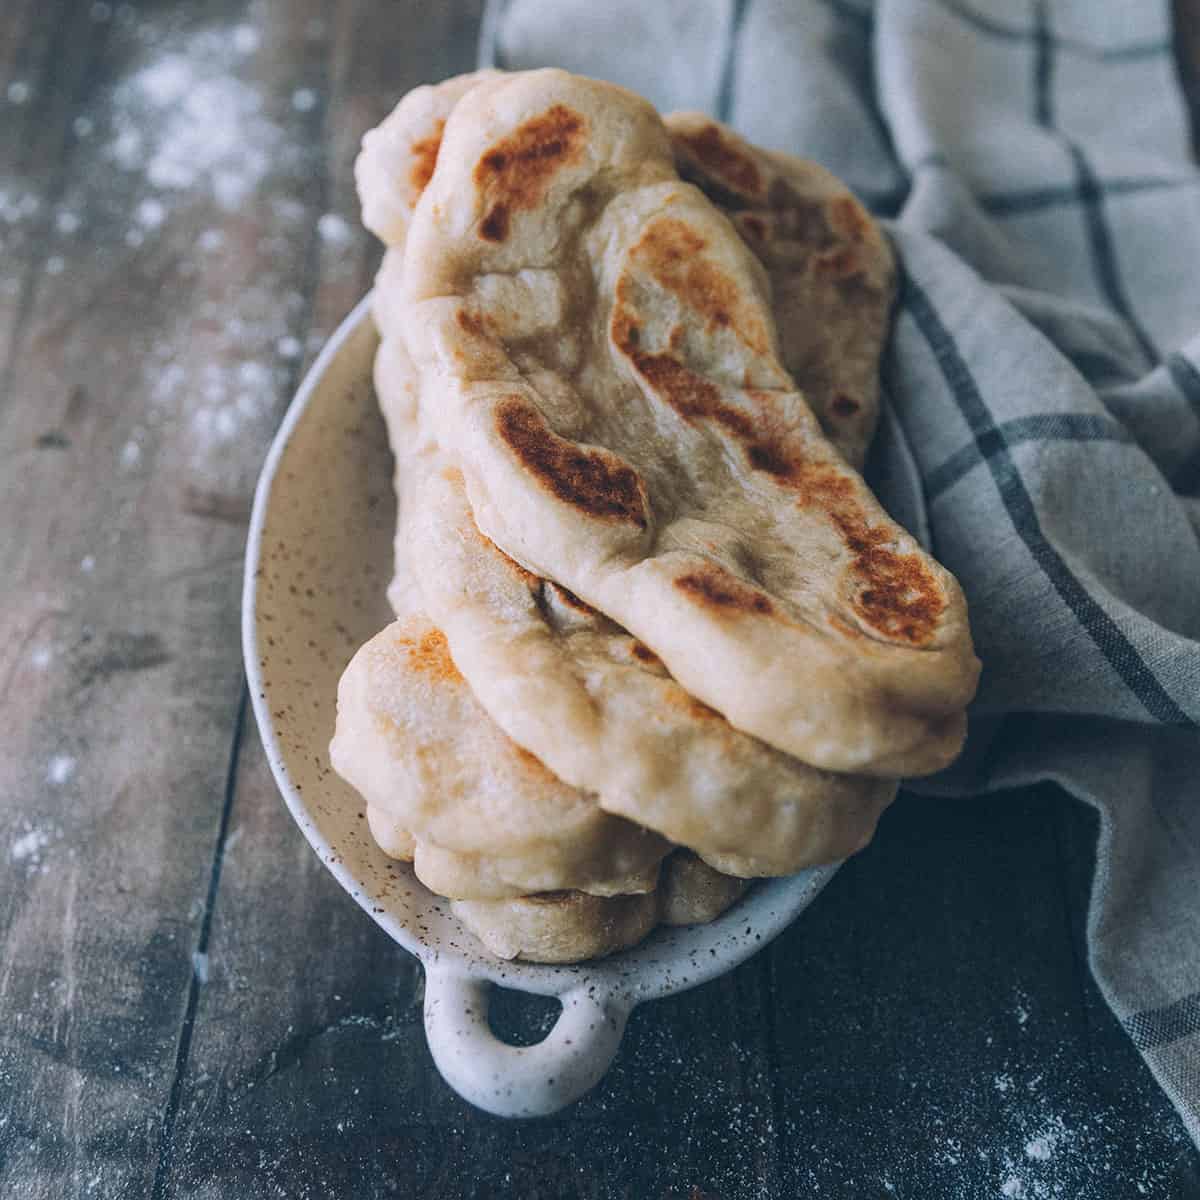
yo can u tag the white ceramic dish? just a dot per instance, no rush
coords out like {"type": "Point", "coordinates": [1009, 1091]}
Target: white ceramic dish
{"type": "Point", "coordinates": [317, 562]}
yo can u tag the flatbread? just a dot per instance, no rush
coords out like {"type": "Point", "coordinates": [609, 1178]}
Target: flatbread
{"type": "Point", "coordinates": [563, 927]}
{"type": "Point", "coordinates": [399, 155]}
{"type": "Point", "coordinates": [558, 927]}
{"type": "Point", "coordinates": [486, 876]}
{"type": "Point", "coordinates": [411, 738]}
{"type": "Point", "coordinates": [690, 892]}
{"type": "Point", "coordinates": [831, 269]}
{"type": "Point", "coordinates": [390, 835]}
{"type": "Point", "coordinates": [593, 703]}
{"type": "Point", "coordinates": [598, 357]}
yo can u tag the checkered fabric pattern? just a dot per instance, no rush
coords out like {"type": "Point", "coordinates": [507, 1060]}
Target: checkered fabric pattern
{"type": "Point", "coordinates": [1042, 429]}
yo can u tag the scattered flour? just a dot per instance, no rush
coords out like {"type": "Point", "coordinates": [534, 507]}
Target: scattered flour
{"type": "Point", "coordinates": [334, 229]}
{"type": "Point", "coordinates": [29, 846]}
{"type": "Point", "coordinates": [246, 39]}
{"type": "Point", "coordinates": [235, 399]}
{"type": "Point", "coordinates": [17, 207]}
{"type": "Point", "coordinates": [41, 657]}
{"type": "Point", "coordinates": [1040, 1148]}
{"type": "Point", "coordinates": [87, 564]}
{"type": "Point", "coordinates": [1021, 1008]}
{"type": "Point", "coordinates": [186, 121]}
{"type": "Point", "coordinates": [61, 768]}
{"type": "Point", "coordinates": [150, 214]}
{"type": "Point", "coordinates": [188, 125]}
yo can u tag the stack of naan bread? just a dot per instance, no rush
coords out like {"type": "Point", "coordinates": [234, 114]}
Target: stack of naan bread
{"type": "Point", "coordinates": [654, 636]}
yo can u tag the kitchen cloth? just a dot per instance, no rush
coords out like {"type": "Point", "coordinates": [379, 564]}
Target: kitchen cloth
{"type": "Point", "coordinates": [1042, 420]}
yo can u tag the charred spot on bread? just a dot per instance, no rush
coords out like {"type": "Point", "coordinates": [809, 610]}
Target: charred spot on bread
{"type": "Point", "coordinates": [424, 157]}
{"type": "Point", "coordinates": [715, 587]}
{"type": "Point", "coordinates": [595, 481]}
{"type": "Point", "coordinates": [430, 654]}
{"type": "Point", "coordinates": [722, 159]}
{"type": "Point", "coordinates": [515, 173]}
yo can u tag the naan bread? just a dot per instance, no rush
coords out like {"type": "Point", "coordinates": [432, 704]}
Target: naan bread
{"type": "Point", "coordinates": [399, 155]}
{"type": "Point", "coordinates": [574, 688]}
{"type": "Point", "coordinates": [598, 356]}
{"type": "Point", "coordinates": [593, 703]}
{"type": "Point", "coordinates": [690, 892]}
{"type": "Point", "coordinates": [485, 876]}
{"type": "Point", "coordinates": [567, 926]}
{"type": "Point", "coordinates": [412, 740]}
{"type": "Point", "coordinates": [563, 927]}
{"type": "Point", "coordinates": [558, 927]}
{"type": "Point", "coordinates": [831, 270]}
{"type": "Point", "coordinates": [390, 836]}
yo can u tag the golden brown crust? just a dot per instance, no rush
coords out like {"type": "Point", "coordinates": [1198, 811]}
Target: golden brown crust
{"type": "Point", "coordinates": [424, 157]}
{"type": "Point", "coordinates": [670, 251]}
{"type": "Point", "coordinates": [722, 160]}
{"type": "Point", "coordinates": [515, 172]}
{"type": "Point", "coordinates": [718, 588]}
{"type": "Point", "coordinates": [823, 253]}
{"type": "Point", "coordinates": [430, 655]}
{"type": "Point", "coordinates": [596, 482]}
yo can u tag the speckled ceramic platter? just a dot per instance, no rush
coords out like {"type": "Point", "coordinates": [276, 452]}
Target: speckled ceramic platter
{"type": "Point", "coordinates": [317, 563]}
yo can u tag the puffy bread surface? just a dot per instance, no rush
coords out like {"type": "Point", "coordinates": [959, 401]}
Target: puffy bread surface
{"type": "Point", "coordinates": [598, 357]}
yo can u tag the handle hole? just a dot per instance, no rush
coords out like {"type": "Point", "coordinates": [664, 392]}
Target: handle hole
{"type": "Point", "coordinates": [520, 1018]}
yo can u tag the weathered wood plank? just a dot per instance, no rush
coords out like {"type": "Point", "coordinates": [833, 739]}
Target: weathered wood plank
{"type": "Point", "coordinates": [43, 59]}
{"type": "Point", "coordinates": [150, 364]}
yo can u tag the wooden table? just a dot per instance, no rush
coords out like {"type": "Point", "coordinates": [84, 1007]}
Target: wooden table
{"type": "Point", "coordinates": [190, 1005]}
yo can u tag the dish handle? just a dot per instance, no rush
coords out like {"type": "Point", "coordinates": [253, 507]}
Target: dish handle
{"type": "Point", "coordinates": [518, 1081]}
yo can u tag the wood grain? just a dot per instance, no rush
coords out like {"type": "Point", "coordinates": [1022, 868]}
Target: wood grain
{"type": "Point", "coordinates": [144, 382]}
{"type": "Point", "coordinates": [191, 1006]}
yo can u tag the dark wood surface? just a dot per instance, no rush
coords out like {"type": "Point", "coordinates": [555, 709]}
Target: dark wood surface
{"type": "Point", "coordinates": [189, 1005]}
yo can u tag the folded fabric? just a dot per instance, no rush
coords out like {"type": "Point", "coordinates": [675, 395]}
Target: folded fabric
{"type": "Point", "coordinates": [1041, 425]}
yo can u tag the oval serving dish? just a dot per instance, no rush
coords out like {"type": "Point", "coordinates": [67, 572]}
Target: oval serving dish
{"type": "Point", "coordinates": [318, 560]}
